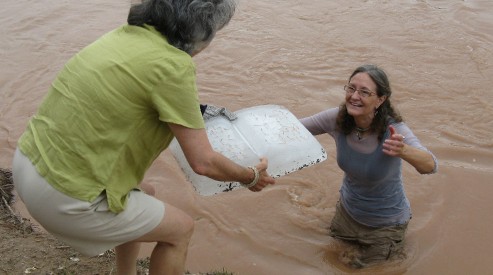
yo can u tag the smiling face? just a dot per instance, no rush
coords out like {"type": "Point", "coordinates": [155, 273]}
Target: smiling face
{"type": "Point", "coordinates": [362, 109]}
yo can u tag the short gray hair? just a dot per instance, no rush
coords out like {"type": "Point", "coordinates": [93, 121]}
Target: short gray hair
{"type": "Point", "coordinates": [185, 23]}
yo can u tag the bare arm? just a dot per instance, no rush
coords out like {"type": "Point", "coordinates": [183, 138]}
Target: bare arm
{"type": "Point", "coordinates": [207, 162]}
{"type": "Point", "coordinates": [421, 160]}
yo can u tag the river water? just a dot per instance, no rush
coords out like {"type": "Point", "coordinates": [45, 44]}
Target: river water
{"type": "Point", "coordinates": [438, 55]}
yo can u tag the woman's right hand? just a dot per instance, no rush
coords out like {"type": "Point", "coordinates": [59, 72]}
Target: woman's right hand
{"type": "Point", "coordinates": [265, 179]}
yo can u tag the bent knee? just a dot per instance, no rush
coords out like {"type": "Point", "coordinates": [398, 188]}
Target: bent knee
{"type": "Point", "coordinates": [181, 226]}
{"type": "Point", "coordinates": [182, 234]}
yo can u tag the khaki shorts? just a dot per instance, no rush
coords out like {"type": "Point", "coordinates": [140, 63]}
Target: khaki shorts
{"type": "Point", "coordinates": [88, 227]}
{"type": "Point", "coordinates": [376, 243]}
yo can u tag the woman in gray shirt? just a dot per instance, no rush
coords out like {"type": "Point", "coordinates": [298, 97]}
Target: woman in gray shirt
{"type": "Point", "coordinates": [371, 140]}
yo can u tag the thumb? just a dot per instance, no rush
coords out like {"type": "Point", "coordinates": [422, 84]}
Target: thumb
{"type": "Point", "coordinates": [392, 130]}
{"type": "Point", "coordinates": [262, 166]}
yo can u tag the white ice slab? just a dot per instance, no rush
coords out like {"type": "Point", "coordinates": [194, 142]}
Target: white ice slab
{"type": "Point", "coordinates": [269, 131]}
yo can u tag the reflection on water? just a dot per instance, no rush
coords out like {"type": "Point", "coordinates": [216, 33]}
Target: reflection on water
{"type": "Point", "coordinates": [438, 56]}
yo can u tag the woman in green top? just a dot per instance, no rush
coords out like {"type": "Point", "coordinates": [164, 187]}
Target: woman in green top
{"type": "Point", "coordinates": [113, 108]}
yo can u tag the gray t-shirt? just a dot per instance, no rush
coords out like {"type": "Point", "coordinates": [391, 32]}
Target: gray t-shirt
{"type": "Point", "coordinates": [372, 190]}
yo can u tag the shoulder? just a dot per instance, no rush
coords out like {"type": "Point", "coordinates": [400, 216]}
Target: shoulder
{"type": "Point", "coordinates": [322, 122]}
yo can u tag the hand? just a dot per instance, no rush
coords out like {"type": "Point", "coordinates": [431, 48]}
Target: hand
{"type": "Point", "coordinates": [264, 179]}
{"type": "Point", "coordinates": [394, 145]}
{"type": "Point", "coordinates": [211, 111]}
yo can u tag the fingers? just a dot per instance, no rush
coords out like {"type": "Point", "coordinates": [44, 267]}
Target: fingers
{"type": "Point", "coordinates": [264, 176]}
{"type": "Point", "coordinates": [394, 145]}
{"type": "Point", "coordinates": [393, 148]}
{"type": "Point", "coordinates": [262, 183]}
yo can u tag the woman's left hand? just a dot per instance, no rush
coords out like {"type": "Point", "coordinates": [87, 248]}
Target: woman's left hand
{"type": "Point", "coordinates": [394, 145]}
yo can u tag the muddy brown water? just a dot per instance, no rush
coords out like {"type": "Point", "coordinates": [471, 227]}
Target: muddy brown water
{"type": "Point", "coordinates": [438, 55]}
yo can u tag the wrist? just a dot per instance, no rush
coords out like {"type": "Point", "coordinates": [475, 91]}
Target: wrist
{"type": "Point", "coordinates": [256, 177]}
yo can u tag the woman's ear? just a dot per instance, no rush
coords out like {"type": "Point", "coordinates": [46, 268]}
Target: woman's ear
{"type": "Point", "coordinates": [381, 100]}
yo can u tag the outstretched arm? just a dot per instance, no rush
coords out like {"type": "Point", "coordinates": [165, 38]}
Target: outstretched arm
{"type": "Point", "coordinates": [207, 162]}
{"type": "Point", "coordinates": [395, 146]}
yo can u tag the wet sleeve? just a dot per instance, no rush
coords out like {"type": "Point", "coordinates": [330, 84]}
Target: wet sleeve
{"type": "Point", "coordinates": [321, 123]}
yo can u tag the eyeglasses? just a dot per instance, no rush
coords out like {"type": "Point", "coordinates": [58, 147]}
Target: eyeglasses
{"type": "Point", "coordinates": [350, 90]}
